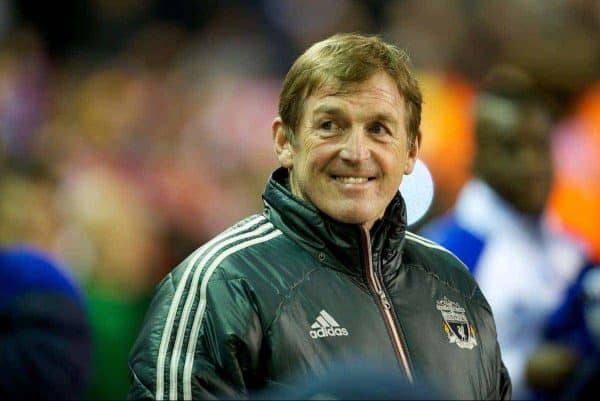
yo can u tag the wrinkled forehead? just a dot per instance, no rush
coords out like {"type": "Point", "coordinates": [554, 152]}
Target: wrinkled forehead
{"type": "Point", "coordinates": [379, 88]}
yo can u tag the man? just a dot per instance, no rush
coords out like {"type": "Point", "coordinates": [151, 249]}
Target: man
{"type": "Point", "coordinates": [496, 227]}
{"type": "Point", "coordinates": [328, 275]}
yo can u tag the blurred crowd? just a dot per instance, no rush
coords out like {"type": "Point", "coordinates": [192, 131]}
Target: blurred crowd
{"type": "Point", "coordinates": [132, 131]}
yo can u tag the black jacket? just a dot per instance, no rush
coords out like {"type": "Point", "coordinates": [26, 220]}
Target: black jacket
{"type": "Point", "coordinates": [294, 293]}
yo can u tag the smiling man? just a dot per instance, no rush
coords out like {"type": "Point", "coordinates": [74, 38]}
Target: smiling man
{"type": "Point", "coordinates": [327, 276]}
{"type": "Point", "coordinates": [352, 149]}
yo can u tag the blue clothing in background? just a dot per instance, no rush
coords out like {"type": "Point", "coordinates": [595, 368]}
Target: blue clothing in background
{"type": "Point", "coordinates": [44, 334]}
{"type": "Point", "coordinates": [522, 267]}
{"type": "Point", "coordinates": [26, 269]}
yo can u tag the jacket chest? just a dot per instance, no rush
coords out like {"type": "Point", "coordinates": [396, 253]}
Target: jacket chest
{"type": "Point", "coordinates": [330, 322]}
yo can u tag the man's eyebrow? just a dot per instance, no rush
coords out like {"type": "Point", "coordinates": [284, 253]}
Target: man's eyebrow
{"type": "Point", "coordinates": [327, 109]}
{"type": "Point", "coordinates": [385, 117]}
{"type": "Point", "coordinates": [337, 111]}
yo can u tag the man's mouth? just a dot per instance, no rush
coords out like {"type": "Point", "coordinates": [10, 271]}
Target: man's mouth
{"type": "Point", "coordinates": [352, 180]}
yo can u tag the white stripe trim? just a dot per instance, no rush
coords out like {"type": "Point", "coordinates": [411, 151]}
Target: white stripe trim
{"type": "Point", "coordinates": [420, 240]}
{"type": "Point", "coordinates": [191, 349]}
{"type": "Point", "coordinates": [329, 318]}
{"type": "Point", "coordinates": [428, 244]}
{"type": "Point", "coordinates": [164, 343]}
{"type": "Point", "coordinates": [413, 235]}
{"type": "Point", "coordinates": [425, 241]}
{"type": "Point", "coordinates": [191, 297]}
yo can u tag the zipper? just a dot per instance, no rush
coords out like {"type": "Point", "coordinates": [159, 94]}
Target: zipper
{"type": "Point", "coordinates": [386, 306]}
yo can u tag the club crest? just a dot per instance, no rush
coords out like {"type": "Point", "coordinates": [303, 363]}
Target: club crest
{"type": "Point", "coordinates": [456, 324]}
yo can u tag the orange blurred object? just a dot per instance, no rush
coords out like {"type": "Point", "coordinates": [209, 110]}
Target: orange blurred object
{"type": "Point", "coordinates": [447, 127]}
{"type": "Point", "coordinates": [575, 199]}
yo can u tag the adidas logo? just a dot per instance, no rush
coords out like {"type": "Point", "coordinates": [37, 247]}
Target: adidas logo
{"type": "Point", "coordinates": [326, 326]}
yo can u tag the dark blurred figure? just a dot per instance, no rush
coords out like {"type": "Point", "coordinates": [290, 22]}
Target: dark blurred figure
{"type": "Point", "coordinates": [567, 364]}
{"type": "Point", "coordinates": [44, 335]}
{"type": "Point", "coordinates": [497, 227]}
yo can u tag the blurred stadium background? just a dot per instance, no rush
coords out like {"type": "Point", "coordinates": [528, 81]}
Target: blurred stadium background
{"type": "Point", "coordinates": [133, 130]}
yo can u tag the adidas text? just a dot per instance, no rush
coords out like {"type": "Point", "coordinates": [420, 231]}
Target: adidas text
{"type": "Point", "coordinates": [328, 332]}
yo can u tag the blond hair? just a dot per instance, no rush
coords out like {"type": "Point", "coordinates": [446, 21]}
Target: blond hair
{"type": "Point", "coordinates": [342, 59]}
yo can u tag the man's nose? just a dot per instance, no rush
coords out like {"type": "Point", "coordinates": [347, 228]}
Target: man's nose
{"type": "Point", "coordinates": [355, 147]}
{"type": "Point", "coordinates": [535, 159]}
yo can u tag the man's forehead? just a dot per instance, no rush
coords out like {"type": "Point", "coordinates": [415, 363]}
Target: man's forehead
{"type": "Point", "coordinates": [380, 83]}
{"type": "Point", "coordinates": [375, 89]}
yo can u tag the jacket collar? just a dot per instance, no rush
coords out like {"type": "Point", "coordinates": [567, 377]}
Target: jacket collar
{"type": "Point", "coordinates": [336, 244]}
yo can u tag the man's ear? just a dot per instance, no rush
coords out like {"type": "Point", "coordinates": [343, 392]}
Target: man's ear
{"type": "Point", "coordinates": [282, 144]}
{"type": "Point", "coordinates": [413, 153]}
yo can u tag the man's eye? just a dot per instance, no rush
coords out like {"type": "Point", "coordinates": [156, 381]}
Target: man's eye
{"type": "Point", "coordinates": [327, 125]}
{"type": "Point", "coordinates": [377, 129]}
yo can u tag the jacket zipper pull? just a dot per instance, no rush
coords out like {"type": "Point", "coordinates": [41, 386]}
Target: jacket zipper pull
{"type": "Point", "coordinates": [384, 299]}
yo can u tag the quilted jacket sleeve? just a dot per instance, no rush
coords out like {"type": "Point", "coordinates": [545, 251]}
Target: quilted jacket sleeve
{"type": "Point", "coordinates": [200, 340]}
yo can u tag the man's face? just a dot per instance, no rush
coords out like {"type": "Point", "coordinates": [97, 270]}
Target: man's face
{"type": "Point", "coordinates": [515, 159]}
{"type": "Point", "coordinates": [350, 150]}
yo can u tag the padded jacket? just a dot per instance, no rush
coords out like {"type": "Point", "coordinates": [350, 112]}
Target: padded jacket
{"type": "Point", "coordinates": [293, 293]}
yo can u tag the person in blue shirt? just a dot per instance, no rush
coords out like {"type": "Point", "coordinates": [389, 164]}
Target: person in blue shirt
{"type": "Point", "coordinates": [497, 227]}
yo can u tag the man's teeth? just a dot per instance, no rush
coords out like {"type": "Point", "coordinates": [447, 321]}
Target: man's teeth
{"type": "Point", "coordinates": [352, 180]}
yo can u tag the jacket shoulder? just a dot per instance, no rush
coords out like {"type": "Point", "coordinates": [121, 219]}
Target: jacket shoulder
{"type": "Point", "coordinates": [184, 298]}
{"type": "Point", "coordinates": [452, 234]}
{"type": "Point", "coordinates": [213, 258]}
{"type": "Point", "coordinates": [440, 262]}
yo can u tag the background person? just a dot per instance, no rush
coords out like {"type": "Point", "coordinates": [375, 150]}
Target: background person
{"type": "Point", "coordinates": [45, 335]}
{"type": "Point", "coordinates": [496, 227]}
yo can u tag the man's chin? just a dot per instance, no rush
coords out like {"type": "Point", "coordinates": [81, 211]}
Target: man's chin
{"type": "Point", "coordinates": [529, 206]}
{"type": "Point", "coordinates": [353, 217]}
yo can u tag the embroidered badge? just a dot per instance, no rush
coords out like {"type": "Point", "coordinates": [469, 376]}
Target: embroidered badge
{"type": "Point", "coordinates": [456, 324]}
